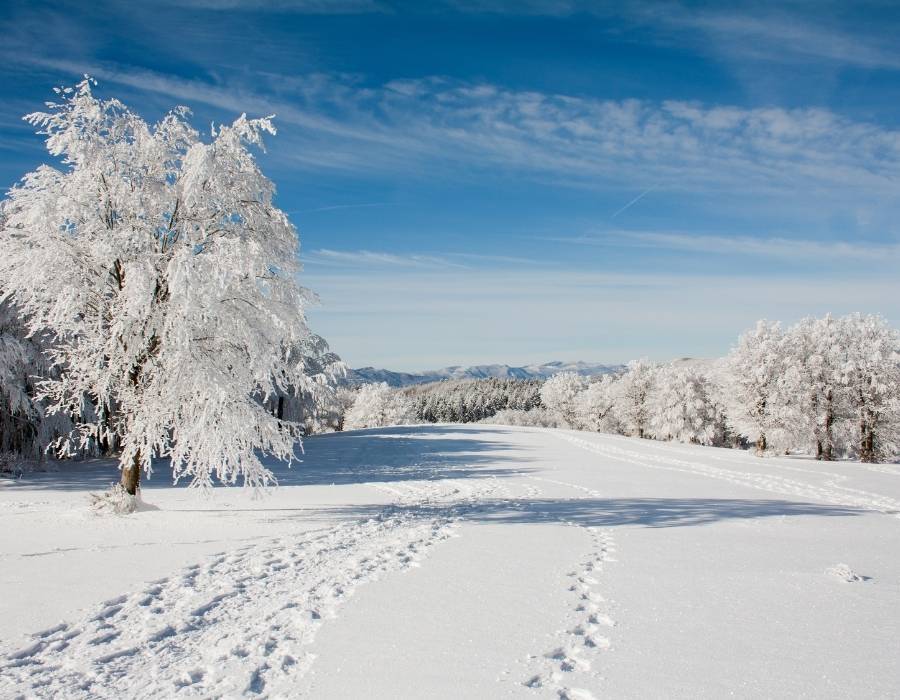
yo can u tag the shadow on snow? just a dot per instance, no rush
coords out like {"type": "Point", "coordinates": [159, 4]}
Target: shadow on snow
{"type": "Point", "coordinates": [594, 512]}
{"type": "Point", "coordinates": [405, 453]}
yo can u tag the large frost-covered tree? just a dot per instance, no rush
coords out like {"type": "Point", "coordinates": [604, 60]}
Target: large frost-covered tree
{"type": "Point", "coordinates": [634, 391]}
{"type": "Point", "coordinates": [596, 405]}
{"type": "Point", "coordinates": [811, 386]}
{"type": "Point", "coordinates": [681, 407]}
{"type": "Point", "coordinates": [166, 277]}
{"type": "Point", "coordinates": [871, 377]}
{"type": "Point", "coordinates": [560, 394]}
{"type": "Point", "coordinates": [18, 414]}
{"type": "Point", "coordinates": [751, 375]}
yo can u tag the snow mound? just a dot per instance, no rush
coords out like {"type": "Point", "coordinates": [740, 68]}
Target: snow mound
{"type": "Point", "coordinates": [845, 573]}
{"type": "Point", "coordinates": [115, 500]}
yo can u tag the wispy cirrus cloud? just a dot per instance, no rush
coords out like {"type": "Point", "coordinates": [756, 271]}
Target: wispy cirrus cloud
{"type": "Point", "coordinates": [448, 261]}
{"type": "Point", "coordinates": [776, 34]}
{"type": "Point", "coordinates": [370, 258]}
{"type": "Point", "coordinates": [308, 7]}
{"type": "Point", "coordinates": [793, 249]}
{"type": "Point", "coordinates": [445, 125]}
{"type": "Point", "coordinates": [340, 207]}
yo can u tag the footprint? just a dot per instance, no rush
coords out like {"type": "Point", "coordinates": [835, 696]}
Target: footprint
{"type": "Point", "coordinates": [106, 613]}
{"type": "Point", "coordinates": [104, 638]}
{"type": "Point", "coordinates": [596, 642]}
{"type": "Point", "coordinates": [105, 659]}
{"type": "Point", "coordinates": [534, 682]}
{"type": "Point", "coordinates": [192, 677]}
{"type": "Point", "coordinates": [598, 618]}
{"type": "Point", "coordinates": [62, 626]}
{"type": "Point", "coordinates": [257, 683]}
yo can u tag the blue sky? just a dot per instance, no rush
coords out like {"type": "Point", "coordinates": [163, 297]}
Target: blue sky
{"type": "Point", "coordinates": [526, 181]}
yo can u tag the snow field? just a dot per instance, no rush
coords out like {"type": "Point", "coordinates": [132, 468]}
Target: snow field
{"type": "Point", "coordinates": [449, 561]}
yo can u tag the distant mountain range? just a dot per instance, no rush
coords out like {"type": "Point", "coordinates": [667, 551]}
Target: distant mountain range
{"type": "Point", "coordinates": [398, 379]}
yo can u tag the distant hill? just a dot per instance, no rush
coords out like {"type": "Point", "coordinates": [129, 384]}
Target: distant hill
{"type": "Point", "coordinates": [398, 379]}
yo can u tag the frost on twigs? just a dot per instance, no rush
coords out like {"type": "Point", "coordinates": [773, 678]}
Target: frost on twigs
{"type": "Point", "coordinates": [114, 501]}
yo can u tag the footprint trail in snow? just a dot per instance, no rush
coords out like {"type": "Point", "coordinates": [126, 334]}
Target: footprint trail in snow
{"type": "Point", "coordinates": [242, 623]}
{"type": "Point", "coordinates": [573, 659]}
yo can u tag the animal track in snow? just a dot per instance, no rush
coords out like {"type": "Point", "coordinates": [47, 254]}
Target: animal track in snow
{"type": "Point", "coordinates": [831, 492]}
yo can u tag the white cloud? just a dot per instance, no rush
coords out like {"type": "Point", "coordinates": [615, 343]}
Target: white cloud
{"type": "Point", "coordinates": [780, 36]}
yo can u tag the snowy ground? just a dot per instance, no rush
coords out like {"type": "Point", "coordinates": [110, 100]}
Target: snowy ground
{"type": "Point", "coordinates": [460, 561]}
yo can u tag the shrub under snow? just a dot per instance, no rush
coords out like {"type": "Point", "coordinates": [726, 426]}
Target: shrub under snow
{"type": "Point", "coordinates": [378, 405]}
{"type": "Point", "coordinates": [533, 418]}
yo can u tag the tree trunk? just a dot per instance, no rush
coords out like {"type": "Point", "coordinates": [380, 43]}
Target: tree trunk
{"type": "Point", "coordinates": [828, 447]}
{"type": "Point", "coordinates": [866, 442]}
{"type": "Point", "coordinates": [814, 411]}
{"type": "Point", "coordinates": [131, 475]}
{"type": "Point", "coordinates": [761, 445]}
{"type": "Point", "coordinates": [820, 450]}
{"type": "Point", "coordinates": [280, 413]}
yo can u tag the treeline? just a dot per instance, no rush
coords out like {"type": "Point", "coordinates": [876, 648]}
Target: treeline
{"type": "Point", "coordinates": [472, 400]}
{"type": "Point", "coordinates": [829, 387]}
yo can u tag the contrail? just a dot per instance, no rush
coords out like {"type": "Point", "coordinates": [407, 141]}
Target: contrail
{"type": "Point", "coordinates": [635, 200]}
{"type": "Point", "coordinates": [341, 206]}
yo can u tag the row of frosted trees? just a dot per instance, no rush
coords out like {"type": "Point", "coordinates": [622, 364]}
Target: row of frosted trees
{"type": "Point", "coordinates": [825, 386]}
{"type": "Point", "coordinates": [828, 386]}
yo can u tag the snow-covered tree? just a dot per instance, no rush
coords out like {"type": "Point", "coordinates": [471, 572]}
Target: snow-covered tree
{"type": "Point", "coordinates": [871, 377]}
{"type": "Point", "coordinates": [316, 405]}
{"type": "Point", "coordinates": [751, 383]}
{"type": "Point", "coordinates": [25, 426]}
{"type": "Point", "coordinates": [168, 281]}
{"type": "Point", "coordinates": [378, 405]}
{"type": "Point", "coordinates": [634, 391]}
{"type": "Point", "coordinates": [596, 406]}
{"type": "Point", "coordinates": [18, 414]}
{"type": "Point", "coordinates": [681, 407]}
{"type": "Point", "coordinates": [811, 388]}
{"type": "Point", "coordinates": [560, 394]}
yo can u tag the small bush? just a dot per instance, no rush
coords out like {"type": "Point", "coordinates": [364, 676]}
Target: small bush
{"type": "Point", "coordinates": [114, 501]}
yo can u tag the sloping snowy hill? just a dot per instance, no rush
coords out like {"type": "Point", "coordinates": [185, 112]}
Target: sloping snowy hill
{"type": "Point", "coordinates": [463, 561]}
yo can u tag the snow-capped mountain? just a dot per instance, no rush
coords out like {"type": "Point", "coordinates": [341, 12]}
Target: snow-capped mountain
{"type": "Point", "coordinates": [538, 371]}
